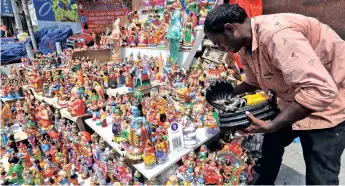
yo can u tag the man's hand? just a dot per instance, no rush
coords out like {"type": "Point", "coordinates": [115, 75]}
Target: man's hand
{"type": "Point", "coordinates": [258, 125]}
{"type": "Point", "coordinates": [293, 113]}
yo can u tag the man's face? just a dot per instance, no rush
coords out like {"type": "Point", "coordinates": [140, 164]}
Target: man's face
{"type": "Point", "coordinates": [229, 40]}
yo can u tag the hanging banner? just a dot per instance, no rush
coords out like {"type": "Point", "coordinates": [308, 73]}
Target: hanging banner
{"type": "Point", "coordinates": [56, 10]}
{"type": "Point", "coordinates": [98, 15]}
{"type": "Point", "coordinates": [57, 14]}
{"type": "Point", "coordinates": [6, 8]}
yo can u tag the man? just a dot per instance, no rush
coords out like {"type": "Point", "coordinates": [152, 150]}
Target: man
{"type": "Point", "coordinates": [303, 61]}
{"type": "Point", "coordinates": [3, 31]}
{"type": "Point", "coordinates": [83, 20]}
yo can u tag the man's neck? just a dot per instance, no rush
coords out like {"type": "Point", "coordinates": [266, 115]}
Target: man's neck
{"type": "Point", "coordinates": [248, 37]}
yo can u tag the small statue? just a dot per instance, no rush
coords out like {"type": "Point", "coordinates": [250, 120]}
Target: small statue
{"type": "Point", "coordinates": [142, 37]}
{"type": "Point", "coordinates": [37, 81]}
{"type": "Point", "coordinates": [188, 34]}
{"type": "Point", "coordinates": [203, 11]}
{"type": "Point", "coordinates": [124, 36]}
{"type": "Point", "coordinates": [78, 107]}
{"type": "Point", "coordinates": [116, 35]}
{"type": "Point", "coordinates": [116, 128]}
{"type": "Point", "coordinates": [161, 148]}
{"type": "Point", "coordinates": [149, 155]}
{"type": "Point", "coordinates": [151, 37]}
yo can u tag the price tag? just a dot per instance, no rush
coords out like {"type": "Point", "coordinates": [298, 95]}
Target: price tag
{"type": "Point", "coordinates": [176, 142]}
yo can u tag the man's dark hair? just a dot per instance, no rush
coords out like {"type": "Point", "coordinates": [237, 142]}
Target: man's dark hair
{"type": "Point", "coordinates": [222, 14]}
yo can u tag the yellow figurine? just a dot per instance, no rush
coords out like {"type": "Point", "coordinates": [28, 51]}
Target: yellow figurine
{"type": "Point", "coordinates": [149, 155]}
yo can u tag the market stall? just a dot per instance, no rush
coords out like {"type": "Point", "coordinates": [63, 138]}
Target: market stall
{"type": "Point", "coordinates": [137, 116]}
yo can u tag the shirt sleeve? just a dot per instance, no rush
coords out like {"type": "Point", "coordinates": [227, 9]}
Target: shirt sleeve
{"type": "Point", "coordinates": [291, 52]}
{"type": "Point", "coordinates": [250, 76]}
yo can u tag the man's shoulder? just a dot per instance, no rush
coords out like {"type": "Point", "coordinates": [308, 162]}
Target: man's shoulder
{"type": "Point", "coordinates": [266, 26]}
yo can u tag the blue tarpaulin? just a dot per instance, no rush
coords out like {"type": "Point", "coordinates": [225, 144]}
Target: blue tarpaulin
{"type": "Point", "coordinates": [14, 51]}
{"type": "Point", "coordinates": [46, 36]}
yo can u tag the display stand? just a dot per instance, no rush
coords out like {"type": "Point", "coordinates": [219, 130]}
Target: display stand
{"type": "Point", "coordinates": [117, 91]}
{"type": "Point", "coordinates": [78, 120]}
{"type": "Point", "coordinates": [105, 132]}
{"type": "Point", "coordinates": [202, 137]}
{"type": "Point", "coordinates": [107, 135]}
{"type": "Point", "coordinates": [11, 100]}
{"type": "Point", "coordinates": [152, 51]}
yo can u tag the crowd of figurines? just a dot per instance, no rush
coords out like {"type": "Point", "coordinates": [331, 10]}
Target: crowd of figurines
{"type": "Point", "coordinates": [54, 151]}
{"type": "Point", "coordinates": [231, 163]}
{"type": "Point", "coordinates": [139, 123]}
{"type": "Point", "coordinates": [152, 31]}
{"type": "Point", "coordinates": [11, 85]}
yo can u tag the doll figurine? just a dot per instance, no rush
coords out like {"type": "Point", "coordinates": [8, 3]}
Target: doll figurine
{"type": "Point", "coordinates": [203, 153]}
{"type": "Point", "coordinates": [78, 107]}
{"type": "Point", "coordinates": [210, 122]}
{"type": "Point", "coordinates": [188, 33]}
{"type": "Point", "coordinates": [142, 37]}
{"type": "Point", "coordinates": [123, 36]}
{"type": "Point", "coordinates": [203, 11]}
{"type": "Point", "coordinates": [85, 170]}
{"type": "Point", "coordinates": [103, 118]}
{"type": "Point", "coordinates": [124, 143]}
{"type": "Point", "coordinates": [116, 128]}
{"type": "Point", "coordinates": [106, 80]}
{"type": "Point", "coordinates": [37, 81]}
{"type": "Point", "coordinates": [151, 35]}
{"type": "Point", "coordinates": [149, 155]}
{"type": "Point", "coordinates": [131, 37]}
{"type": "Point", "coordinates": [161, 150]}
{"type": "Point", "coordinates": [45, 120]}
{"type": "Point", "coordinates": [116, 35]}
{"type": "Point", "coordinates": [161, 36]}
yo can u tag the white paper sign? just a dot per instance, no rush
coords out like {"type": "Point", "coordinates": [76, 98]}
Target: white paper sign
{"type": "Point", "coordinates": [176, 142]}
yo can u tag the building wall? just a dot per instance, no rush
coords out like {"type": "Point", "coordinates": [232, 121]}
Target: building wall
{"type": "Point", "coordinates": [330, 12]}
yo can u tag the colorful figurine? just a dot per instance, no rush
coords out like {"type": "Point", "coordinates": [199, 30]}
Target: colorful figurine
{"type": "Point", "coordinates": [117, 123]}
{"type": "Point", "coordinates": [149, 155]}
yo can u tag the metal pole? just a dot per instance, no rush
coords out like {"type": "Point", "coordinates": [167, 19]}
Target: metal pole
{"type": "Point", "coordinates": [28, 21]}
{"type": "Point", "coordinates": [17, 17]}
{"type": "Point", "coordinates": [58, 47]}
{"type": "Point", "coordinates": [29, 51]}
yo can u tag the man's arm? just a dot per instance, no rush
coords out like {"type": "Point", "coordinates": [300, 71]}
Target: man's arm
{"type": "Point", "coordinates": [301, 68]}
{"type": "Point", "coordinates": [250, 84]}
{"type": "Point", "coordinates": [243, 88]}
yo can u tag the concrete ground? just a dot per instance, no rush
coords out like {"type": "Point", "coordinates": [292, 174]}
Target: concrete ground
{"type": "Point", "coordinates": [292, 170]}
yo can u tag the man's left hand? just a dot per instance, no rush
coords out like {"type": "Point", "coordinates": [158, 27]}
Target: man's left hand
{"type": "Point", "coordinates": [258, 125]}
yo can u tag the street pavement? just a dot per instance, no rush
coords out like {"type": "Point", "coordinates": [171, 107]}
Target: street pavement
{"type": "Point", "coordinates": [292, 170]}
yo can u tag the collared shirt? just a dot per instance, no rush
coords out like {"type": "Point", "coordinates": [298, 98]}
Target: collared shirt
{"type": "Point", "coordinates": [300, 59]}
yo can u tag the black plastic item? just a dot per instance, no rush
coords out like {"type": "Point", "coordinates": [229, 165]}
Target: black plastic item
{"type": "Point", "coordinates": [238, 119]}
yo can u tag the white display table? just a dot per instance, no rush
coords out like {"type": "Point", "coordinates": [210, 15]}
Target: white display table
{"type": "Point", "coordinates": [10, 100]}
{"type": "Point", "coordinates": [115, 91]}
{"type": "Point", "coordinates": [105, 132]}
{"type": "Point", "coordinates": [152, 51]}
{"type": "Point", "coordinates": [107, 135]}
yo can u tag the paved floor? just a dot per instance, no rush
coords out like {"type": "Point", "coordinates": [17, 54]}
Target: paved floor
{"type": "Point", "coordinates": [293, 168]}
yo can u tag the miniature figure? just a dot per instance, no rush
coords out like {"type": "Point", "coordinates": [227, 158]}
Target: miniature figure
{"type": "Point", "coordinates": [149, 155]}
{"type": "Point", "coordinates": [116, 128]}
{"type": "Point", "coordinates": [115, 35]}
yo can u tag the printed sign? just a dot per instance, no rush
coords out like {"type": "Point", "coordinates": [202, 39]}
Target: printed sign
{"type": "Point", "coordinates": [176, 142]}
{"type": "Point", "coordinates": [57, 14]}
{"type": "Point", "coordinates": [6, 8]}
{"type": "Point", "coordinates": [56, 10]}
{"type": "Point", "coordinates": [100, 14]}
{"type": "Point", "coordinates": [214, 55]}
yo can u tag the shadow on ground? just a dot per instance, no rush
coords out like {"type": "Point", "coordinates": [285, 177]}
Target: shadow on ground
{"type": "Point", "coordinates": [289, 176]}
